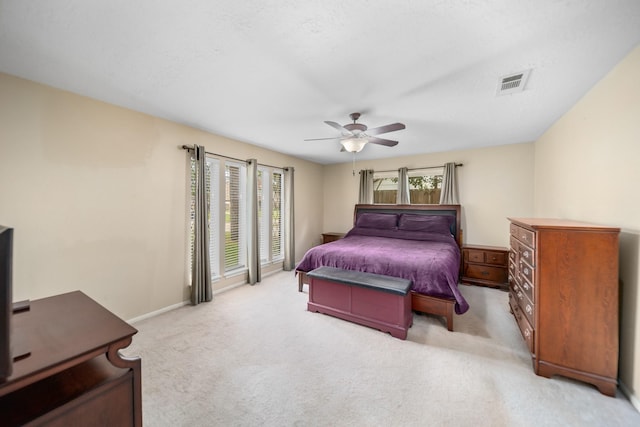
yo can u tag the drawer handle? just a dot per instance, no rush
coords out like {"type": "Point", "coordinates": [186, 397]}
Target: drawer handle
{"type": "Point", "coordinates": [528, 309]}
{"type": "Point", "coordinates": [526, 271]}
{"type": "Point", "coordinates": [527, 333]}
{"type": "Point", "coordinates": [520, 295]}
{"type": "Point", "coordinates": [526, 286]}
{"type": "Point", "coordinates": [484, 273]}
{"type": "Point", "coordinates": [526, 254]}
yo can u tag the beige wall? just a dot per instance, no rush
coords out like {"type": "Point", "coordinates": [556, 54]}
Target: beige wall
{"type": "Point", "coordinates": [586, 168]}
{"type": "Point", "coordinates": [97, 197]}
{"type": "Point", "coordinates": [494, 183]}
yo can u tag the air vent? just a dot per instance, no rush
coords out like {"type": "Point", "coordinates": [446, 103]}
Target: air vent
{"type": "Point", "coordinates": [513, 83]}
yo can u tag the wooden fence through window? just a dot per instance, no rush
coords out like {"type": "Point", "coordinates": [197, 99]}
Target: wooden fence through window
{"type": "Point", "coordinates": [418, 197]}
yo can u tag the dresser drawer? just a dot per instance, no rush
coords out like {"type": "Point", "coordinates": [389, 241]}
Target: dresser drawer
{"type": "Point", "coordinates": [527, 255]}
{"type": "Point", "coordinates": [526, 306]}
{"type": "Point", "coordinates": [522, 234]}
{"type": "Point", "coordinates": [527, 272]}
{"type": "Point", "coordinates": [513, 272]}
{"type": "Point", "coordinates": [523, 324]}
{"type": "Point", "coordinates": [527, 288]}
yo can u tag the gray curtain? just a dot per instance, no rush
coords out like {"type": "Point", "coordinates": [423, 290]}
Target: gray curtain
{"type": "Point", "coordinates": [366, 187]}
{"type": "Point", "coordinates": [402, 196]}
{"type": "Point", "coordinates": [449, 193]}
{"type": "Point", "coordinates": [289, 225]}
{"type": "Point", "coordinates": [200, 268]}
{"type": "Point", "coordinates": [253, 242]}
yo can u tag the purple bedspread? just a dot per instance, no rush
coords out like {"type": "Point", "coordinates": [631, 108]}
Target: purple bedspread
{"type": "Point", "coordinates": [430, 261]}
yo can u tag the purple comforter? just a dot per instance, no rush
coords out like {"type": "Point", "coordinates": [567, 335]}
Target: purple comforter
{"type": "Point", "coordinates": [431, 261]}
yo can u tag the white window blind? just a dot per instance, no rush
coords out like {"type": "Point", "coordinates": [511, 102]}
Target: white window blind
{"type": "Point", "coordinates": [270, 214]}
{"type": "Point", "coordinates": [235, 247]}
{"type": "Point", "coordinates": [277, 241]}
{"type": "Point", "coordinates": [214, 214]}
{"type": "Point", "coordinates": [263, 213]}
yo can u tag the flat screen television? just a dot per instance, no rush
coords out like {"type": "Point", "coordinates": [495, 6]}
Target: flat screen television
{"type": "Point", "coordinates": [6, 301]}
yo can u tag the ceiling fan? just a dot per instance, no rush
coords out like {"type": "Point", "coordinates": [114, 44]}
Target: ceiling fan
{"type": "Point", "coordinates": [356, 135]}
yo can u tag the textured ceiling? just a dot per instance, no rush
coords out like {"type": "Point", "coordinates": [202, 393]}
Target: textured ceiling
{"type": "Point", "coordinates": [269, 72]}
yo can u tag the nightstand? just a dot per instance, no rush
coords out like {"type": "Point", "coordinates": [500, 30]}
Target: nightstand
{"type": "Point", "coordinates": [331, 237]}
{"type": "Point", "coordinates": [485, 266]}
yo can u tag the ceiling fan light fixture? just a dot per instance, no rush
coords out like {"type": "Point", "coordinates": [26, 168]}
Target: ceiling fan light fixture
{"type": "Point", "coordinates": [353, 145]}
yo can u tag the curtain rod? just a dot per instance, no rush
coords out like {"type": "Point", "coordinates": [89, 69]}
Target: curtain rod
{"type": "Point", "coordinates": [417, 169]}
{"type": "Point", "coordinates": [186, 147]}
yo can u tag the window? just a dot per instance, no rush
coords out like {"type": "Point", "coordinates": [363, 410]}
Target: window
{"type": "Point", "coordinates": [277, 237]}
{"type": "Point", "coordinates": [235, 247]}
{"type": "Point", "coordinates": [385, 187]}
{"type": "Point", "coordinates": [425, 185]}
{"type": "Point", "coordinates": [212, 179]}
{"type": "Point", "coordinates": [270, 182]}
{"type": "Point", "coordinates": [226, 186]}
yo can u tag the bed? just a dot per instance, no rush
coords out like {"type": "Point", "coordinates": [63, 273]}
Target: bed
{"type": "Point", "coordinates": [416, 242]}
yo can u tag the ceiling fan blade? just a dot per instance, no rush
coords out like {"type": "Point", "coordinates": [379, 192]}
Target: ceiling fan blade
{"type": "Point", "coordinates": [339, 127]}
{"type": "Point", "coordinates": [384, 129]}
{"type": "Point", "coordinates": [381, 141]}
{"type": "Point", "coordinates": [323, 139]}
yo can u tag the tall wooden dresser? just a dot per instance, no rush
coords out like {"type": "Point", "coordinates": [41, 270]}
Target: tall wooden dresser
{"type": "Point", "coordinates": [563, 292]}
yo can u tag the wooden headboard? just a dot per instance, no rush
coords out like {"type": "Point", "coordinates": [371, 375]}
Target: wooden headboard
{"type": "Point", "coordinates": [446, 210]}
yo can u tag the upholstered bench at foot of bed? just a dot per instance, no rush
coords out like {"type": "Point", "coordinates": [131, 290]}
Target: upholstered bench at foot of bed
{"type": "Point", "coordinates": [380, 302]}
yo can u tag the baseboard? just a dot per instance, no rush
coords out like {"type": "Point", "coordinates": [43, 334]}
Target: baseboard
{"type": "Point", "coordinates": [183, 303]}
{"type": "Point", "coordinates": [157, 312]}
{"type": "Point", "coordinates": [632, 397]}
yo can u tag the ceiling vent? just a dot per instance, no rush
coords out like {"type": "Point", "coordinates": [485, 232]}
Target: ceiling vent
{"type": "Point", "coordinates": [513, 83]}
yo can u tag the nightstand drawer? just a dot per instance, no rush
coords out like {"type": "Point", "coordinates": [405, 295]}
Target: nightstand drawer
{"type": "Point", "coordinates": [497, 258]}
{"type": "Point", "coordinates": [485, 272]}
{"type": "Point", "coordinates": [331, 237]}
{"type": "Point", "coordinates": [486, 256]}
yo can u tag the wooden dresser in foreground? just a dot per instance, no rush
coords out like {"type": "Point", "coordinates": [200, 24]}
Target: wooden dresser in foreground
{"type": "Point", "coordinates": [563, 292]}
{"type": "Point", "coordinates": [74, 374]}
{"type": "Point", "coordinates": [485, 266]}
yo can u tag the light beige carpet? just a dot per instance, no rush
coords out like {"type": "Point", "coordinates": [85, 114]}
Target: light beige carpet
{"type": "Point", "coordinates": [255, 357]}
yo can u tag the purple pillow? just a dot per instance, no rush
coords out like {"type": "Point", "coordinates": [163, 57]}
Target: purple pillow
{"type": "Point", "coordinates": [377, 220]}
{"type": "Point", "coordinates": [430, 223]}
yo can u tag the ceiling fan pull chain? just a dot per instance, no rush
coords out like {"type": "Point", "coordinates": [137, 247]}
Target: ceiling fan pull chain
{"type": "Point", "coordinates": [354, 164]}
